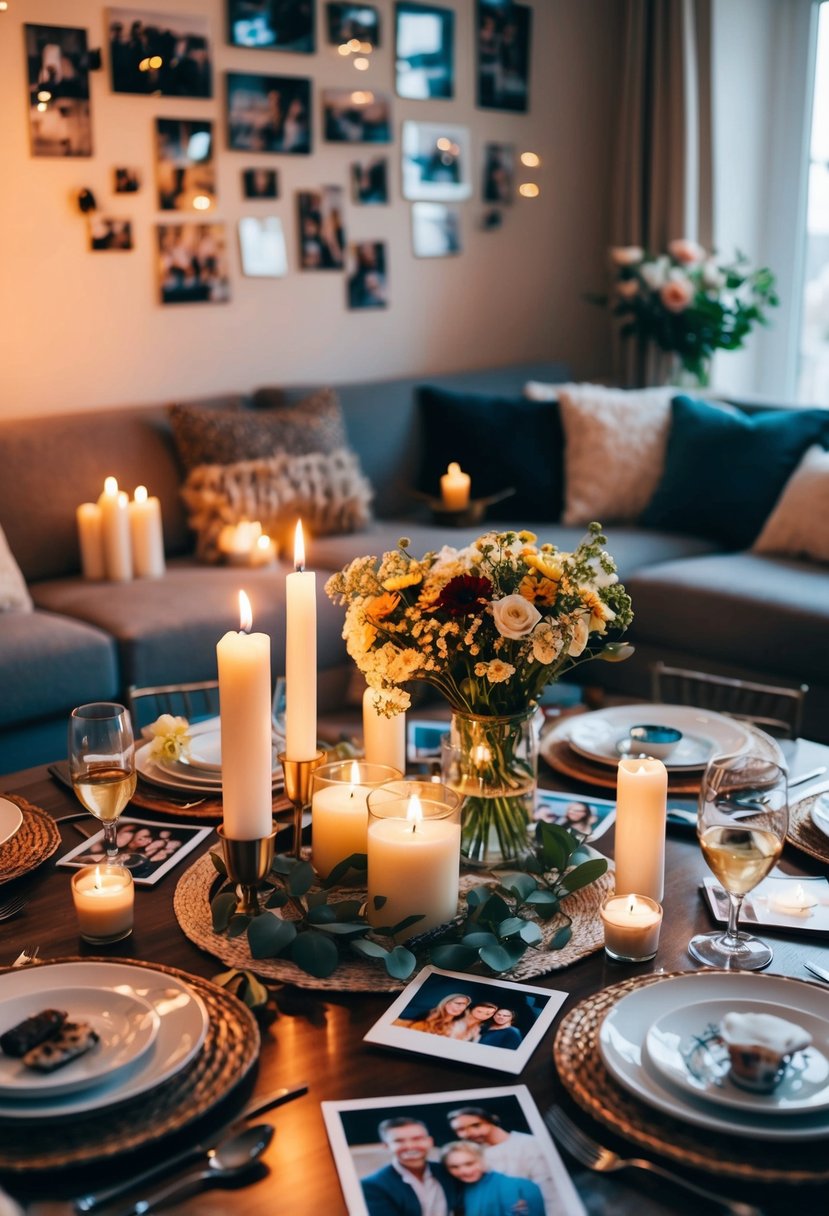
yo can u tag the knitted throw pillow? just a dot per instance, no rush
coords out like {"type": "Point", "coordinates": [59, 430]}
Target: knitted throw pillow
{"type": "Point", "coordinates": [14, 594]}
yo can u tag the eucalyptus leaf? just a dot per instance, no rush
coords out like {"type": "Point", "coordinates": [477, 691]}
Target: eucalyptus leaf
{"type": "Point", "coordinates": [276, 899]}
{"type": "Point", "coordinates": [283, 863]}
{"type": "Point", "coordinates": [364, 945]}
{"type": "Point", "coordinates": [544, 903]}
{"type": "Point", "coordinates": [476, 939]}
{"type": "Point", "coordinates": [379, 901]}
{"type": "Point", "coordinates": [222, 908]}
{"type": "Point", "coordinates": [347, 909]}
{"type": "Point", "coordinates": [344, 928]}
{"type": "Point", "coordinates": [315, 953]}
{"type": "Point", "coordinates": [269, 934]}
{"type": "Point", "coordinates": [501, 958]}
{"type": "Point", "coordinates": [218, 863]}
{"type": "Point", "coordinates": [322, 914]}
{"type": "Point", "coordinates": [513, 924]}
{"type": "Point", "coordinates": [530, 933]}
{"type": "Point", "coordinates": [454, 957]}
{"type": "Point", "coordinates": [355, 861]}
{"type": "Point", "coordinates": [520, 885]}
{"type": "Point", "coordinates": [315, 899]}
{"type": "Point", "coordinates": [561, 938]}
{"type": "Point", "coordinates": [237, 925]}
{"type": "Point", "coordinates": [494, 911]}
{"type": "Point", "coordinates": [400, 963]}
{"type": "Point", "coordinates": [301, 879]}
{"type": "Point", "coordinates": [584, 874]}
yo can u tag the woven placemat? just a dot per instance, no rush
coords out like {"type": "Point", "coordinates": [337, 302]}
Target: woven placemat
{"type": "Point", "coordinates": [229, 1052]}
{"type": "Point", "coordinates": [191, 904]}
{"type": "Point", "coordinates": [560, 756]}
{"type": "Point", "coordinates": [205, 806]}
{"type": "Point", "coordinates": [36, 839]}
{"type": "Point", "coordinates": [584, 1075]}
{"type": "Point", "coordinates": [802, 832]}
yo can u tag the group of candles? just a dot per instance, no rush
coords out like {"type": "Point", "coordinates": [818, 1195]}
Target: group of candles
{"type": "Point", "coordinates": [245, 544]}
{"type": "Point", "coordinates": [120, 540]}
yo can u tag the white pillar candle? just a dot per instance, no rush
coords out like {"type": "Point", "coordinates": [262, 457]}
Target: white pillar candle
{"type": "Point", "coordinates": [339, 809]}
{"type": "Point", "coordinates": [641, 810]}
{"type": "Point", "coordinates": [384, 739]}
{"type": "Point", "coordinates": [103, 896]}
{"type": "Point", "coordinates": [631, 927]}
{"type": "Point", "coordinates": [115, 529]}
{"type": "Point", "coordinates": [146, 535]}
{"type": "Point", "coordinates": [454, 488]}
{"type": "Point", "coordinates": [301, 658]}
{"type": "Point", "coordinates": [244, 660]}
{"type": "Point", "coordinates": [91, 540]}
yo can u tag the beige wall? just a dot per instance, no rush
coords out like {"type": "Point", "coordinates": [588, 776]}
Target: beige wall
{"type": "Point", "coordinates": [81, 329]}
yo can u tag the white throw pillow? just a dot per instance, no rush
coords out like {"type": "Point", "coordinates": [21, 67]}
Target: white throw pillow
{"type": "Point", "coordinates": [14, 594]}
{"type": "Point", "coordinates": [799, 522]}
{"type": "Point", "coordinates": [614, 450]}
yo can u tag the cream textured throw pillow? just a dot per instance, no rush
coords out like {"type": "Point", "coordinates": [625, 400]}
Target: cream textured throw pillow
{"type": "Point", "coordinates": [799, 523]}
{"type": "Point", "coordinates": [614, 450]}
{"type": "Point", "coordinates": [14, 594]}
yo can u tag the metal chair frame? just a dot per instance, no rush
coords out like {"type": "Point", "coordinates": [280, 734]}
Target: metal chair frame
{"type": "Point", "coordinates": [199, 699]}
{"type": "Point", "coordinates": [776, 708]}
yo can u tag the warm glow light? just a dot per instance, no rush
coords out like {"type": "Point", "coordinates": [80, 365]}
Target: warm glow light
{"type": "Point", "coordinates": [201, 202]}
{"type": "Point", "coordinates": [98, 882]}
{"type": "Point", "coordinates": [41, 105]}
{"type": "Point", "coordinates": [415, 812]}
{"type": "Point", "coordinates": [530, 159]}
{"type": "Point", "coordinates": [344, 49]}
{"type": "Point", "coordinates": [4, 4]}
{"type": "Point", "coordinates": [361, 64]}
{"type": "Point", "coordinates": [355, 774]}
{"type": "Point", "coordinates": [44, 95]}
{"type": "Point", "coordinates": [482, 755]}
{"type": "Point", "coordinates": [354, 44]}
{"type": "Point", "coordinates": [245, 613]}
{"type": "Point", "coordinates": [299, 547]}
{"type": "Point", "coordinates": [110, 486]}
{"type": "Point", "coordinates": [444, 144]}
{"type": "Point", "coordinates": [529, 190]}
{"type": "Point", "coordinates": [366, 48]}
{"type": "Point", "coordinates": [263, 542]}
{"type": "Point", "coordinates": [144, 65]}
{"type": "Point", "coordinates": [156, 62]}
{"type": "Point", "coordinates": [631, 908]}
{"type": "Point", "coordinates": [361, 99]}
{"type": "Point", "coordinates": [140, 494]}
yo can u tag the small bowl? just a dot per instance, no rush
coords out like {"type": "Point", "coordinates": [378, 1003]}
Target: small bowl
{"type": "Point", "coordinates": [654, 740]}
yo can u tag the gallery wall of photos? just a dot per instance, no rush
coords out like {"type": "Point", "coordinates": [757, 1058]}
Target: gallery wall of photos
{"type": "Point", "coordinates": [281, 112]}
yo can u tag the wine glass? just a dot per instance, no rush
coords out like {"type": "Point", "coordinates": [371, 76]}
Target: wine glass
{"type": "Point", "coordinates": [102, 767]}
{"type": "Point", "coordinates": [742, 824]}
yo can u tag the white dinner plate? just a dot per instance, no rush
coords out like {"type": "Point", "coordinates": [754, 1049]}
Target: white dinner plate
{"type": "Point", "coordinates": [685, 1047]}
{"type": "Point", "coordinates": [624, 1030]}
{"type": "Point", "coordinates": [205, 752]}
{"type": "Point", "coordinates": [183, 1022]}
{"type": "Point", "coordinates": [820, 814]}
{"type": "Point", "coordinates": [126, 1025]}
{"type": "Point", "coordinates": [597, 735]}
{"type": "Point", "coordinates": [11, 817]}
{"type": "Point", "coordinates": [171, 775]}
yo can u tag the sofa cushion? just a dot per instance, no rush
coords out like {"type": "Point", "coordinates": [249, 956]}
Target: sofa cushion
{"type": "Point", "coordinates": [724, 471]}
{"type": "Point", "coordinates": [502, 442]}
{"type": "Point", "coordinates": [799, 524]}
{"type": "Point", "coordinates": [14, 594]}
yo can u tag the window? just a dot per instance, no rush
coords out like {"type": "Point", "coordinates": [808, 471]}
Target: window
{"type": "Point", "coordinates": [813, 370]}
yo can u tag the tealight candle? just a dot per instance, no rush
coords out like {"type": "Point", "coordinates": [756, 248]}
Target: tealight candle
{"type": "Point", "coordinates": [793, 900]}
{"type": "Point", "coordinates": [103, 896]}
{"type": "Point", "coordinates": [631, 927]}
{"type": "Point", "coordinates": [384, 738]}
{"type": "Point", "coordinates": [454, 488]}
{"type": "Point", "coordinates": [641, 812]}
{"type": "Point", "coordinates": [339, 809]}
{"type": "Point", "coordinates": [245, 544]}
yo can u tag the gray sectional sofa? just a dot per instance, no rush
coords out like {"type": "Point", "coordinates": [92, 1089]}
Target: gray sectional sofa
{"type": "Point", "coordinates": [695, 604]}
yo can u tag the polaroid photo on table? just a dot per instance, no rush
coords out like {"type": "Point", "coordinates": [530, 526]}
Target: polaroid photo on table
{"type": "Point", "coordinates": [592, 815]}
{"type": "Point", "coordinates": [161, 845]}
{"type": "Point", "coordinates": [488, 1149]}
{"type": "Point", "coordinates": [488, 1022]}
{"type": "Point", "coordinates": [423, 740]}
{"type": "Point", "coordinates": [780, 901]}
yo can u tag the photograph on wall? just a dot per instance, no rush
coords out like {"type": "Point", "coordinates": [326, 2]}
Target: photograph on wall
{"type": "Point", "coordinates": [424, 51]}
{"type": "Point", "coordinates": [268, 113]}
{"type": "Point", "coordinates": [499, 173]}
{"type": "Point", "coordinates": [370, 181]}
{"type": "Point", "coordinates": [436, 230]}
{"type": "Point", "coordinates": [487, 1150]}
{"type": "Point", "coordinates": [366, 275]}
{"type": "Point", "coordinates": [161, 846]}
{"type": "Point", "coordinates": [355, 23]}
{"type": "Point", "coordinates": [321, 229]}
{"type": "Point", "coordinates": [272, 25]}
{"type": "Point", "coordinates": [159, 54]}
{"type": "Point", "coordinates": [108, 233]}
{"type": "Point", "coordinates": [503, 43]}
{"type": "Point", "coordinates": [57, 62]}
{"type": "Point", "coordinates": [193, 263]}
{"type": "Point", "coordinates": [356, 116]}
{"type": "Point", "coordinates": [436, 161]}
{"type": "Point", "coordinates": [126, 180]}
{"type": "Point", "coordinates": [262, 247]}
{"type": "Point", "coordinates": [260, 183]}
{"type": "Point", "coordinates": [185, 171]}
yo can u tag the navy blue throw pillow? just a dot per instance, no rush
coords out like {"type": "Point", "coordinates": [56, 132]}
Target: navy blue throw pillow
{"type": "Point", "coordinates": [724, 471]}
{"type": "Point", "coordinates": [499, 442]}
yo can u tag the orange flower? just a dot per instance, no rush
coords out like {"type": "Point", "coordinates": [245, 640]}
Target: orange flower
{"type": "Point", "coordinates": [382, 606]}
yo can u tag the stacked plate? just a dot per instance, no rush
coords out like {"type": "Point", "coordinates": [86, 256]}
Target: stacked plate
{"type": "Point", "coordinates": [200, 770]}
{"type": "Point", "coordinates": [11, 818]}
{"type": "Point", "coordinates": [150, 1026]}
{"type": "Point", "coordinates": [660, 1042]}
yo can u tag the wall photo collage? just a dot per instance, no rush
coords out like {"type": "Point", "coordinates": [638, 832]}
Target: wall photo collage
{"type": "Point", "coordinates": [173, 55]}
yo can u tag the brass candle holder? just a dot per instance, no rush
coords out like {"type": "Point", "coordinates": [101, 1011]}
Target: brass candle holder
{"type": "Point", "coordinates": [298, 774]}
{"type": "Point", "coordinates": [247, 862]}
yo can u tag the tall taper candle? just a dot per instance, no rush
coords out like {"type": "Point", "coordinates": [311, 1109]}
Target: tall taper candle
{"type": "Point", "coordinates": [147, 535]}
{"type": "Point", "coordinates": [115, 529]}
{"type": "Point", "coordinates": [91, 540]}
{"type": "Point", "coordinates": [245, 713]}
{"type": "Point", "coordinates": [641, 809]}
{"type": "Point", "coordinates": [301, 657]}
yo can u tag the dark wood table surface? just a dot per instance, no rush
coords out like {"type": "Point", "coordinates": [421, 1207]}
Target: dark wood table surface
{"type": "Point", "coordinates": [318, 1036]}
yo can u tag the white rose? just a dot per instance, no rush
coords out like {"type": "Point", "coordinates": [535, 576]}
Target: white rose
{"type": "Point", "coordinates": [515, 617]}
{"type": "Point", "coordinates": [578, 641]}
{"type": "Point", "coordinates": [713, 278]}
{"type": "Point", "coordinates": [655, 273]}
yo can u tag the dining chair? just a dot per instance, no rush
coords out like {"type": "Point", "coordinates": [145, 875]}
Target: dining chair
{"type": "Point", "coordinates": [193, 701]}
{"type": "Point", "coordinates": [776, 708]}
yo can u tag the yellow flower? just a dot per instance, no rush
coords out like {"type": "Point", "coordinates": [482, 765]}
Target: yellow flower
{"type": "Point", "coordinates": [528, 538]}
{"type": "Point", "coordinates": [544, 565]}
{"type": "Point", "coordinates": [171, 738]}
{"type": "Point", "coordinates": [538, 592]}
{"type": "Point", "coordinates": [381, 606]}
{"type": "Point", "coordinates": [399, 581]}
{"type": "Point", "coordinates": [599, 611]}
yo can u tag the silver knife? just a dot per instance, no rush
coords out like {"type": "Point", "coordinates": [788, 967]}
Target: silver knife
{"type": "Point", "coordinates": [820, 972]}
{"type": "Point", "coordinates": [802, 778]}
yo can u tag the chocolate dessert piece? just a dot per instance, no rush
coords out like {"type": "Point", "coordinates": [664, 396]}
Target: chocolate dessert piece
{"type": "Point", "coordinates": [73, 1040]}
{"type": "Point", "coordinates": [33, 1030]}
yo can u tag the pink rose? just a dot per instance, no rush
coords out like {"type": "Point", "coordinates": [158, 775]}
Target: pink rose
{"type": "Point", "coordinates": [685, 251]}
{"type": "Point", "coordinates": [626, 255]}
{"type": "Point", "coordinates": [676, 295]}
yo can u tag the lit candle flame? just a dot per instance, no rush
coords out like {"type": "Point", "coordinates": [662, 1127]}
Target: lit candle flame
{"type": "Point", "coordinates": [355, 776]}
{"type": "Point", "coordinates": [414, 814]}
{"type": "Point", "coordinates": [111, 486]}
{"type": "Point", "coordinates": [245, 613]}
{"type": "Point", "coordinates": [263, 542]}
{"type": "Point", "coordinates": [299, 547]}
{"type": "Point", "coordinates": [98, 883]}
{"type": "Point", "coordinates": [631, 904]}
{"type": "Point", "coordinates": [140, 494]}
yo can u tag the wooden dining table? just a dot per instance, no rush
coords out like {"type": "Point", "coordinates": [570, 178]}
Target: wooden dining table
{"type": "Point", "coordinates": [317, 1038]}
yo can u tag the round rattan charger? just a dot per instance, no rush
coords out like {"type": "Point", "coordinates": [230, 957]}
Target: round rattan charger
{"type": "Point", "coordinates": [802, 832]}
{"type": "Point", "coordinates": [37, 838]}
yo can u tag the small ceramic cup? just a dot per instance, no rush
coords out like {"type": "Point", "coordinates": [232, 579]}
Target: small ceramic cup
{"type": "Point", "coordinates": [654, 740]}
{"type": "Point", "coordinates": [760, 1047]}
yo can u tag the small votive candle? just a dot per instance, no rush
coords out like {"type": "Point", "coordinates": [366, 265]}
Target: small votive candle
{"type": "Point", "coordinates": [103, 896]}
{"type": "Point", "coordinates": [793, 900]}
{"type": "Point", "coordinates": [454, 488]}
{"type": "Point", "coordinates": [631, 927]}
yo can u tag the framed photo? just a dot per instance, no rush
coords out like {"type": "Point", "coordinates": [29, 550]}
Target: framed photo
{"type": "Point", "coordinates": [503, 40]}
{"type": "Point", "coordinates": [498, 184]}
{"type": "Point", "coordinates": [275, 25]}
{"type": "Point", "coordinates": [268, 113]}
{"type": "Point", "coordinates": [161, 845]}
{"type": "Point", "coordinates": [262, 247]}
{"type": "Point", "coordinates": [160, 54]}
{"type": "Point", "coordinates": [436, 230]}
{"type": "Point", "coordinates": [425, 51]}
{"type": "Point", "coordinates": [184, 164]}
{"type": "Point", "coordinates": [356, 116]}
{"type": "Point", "coordinates": [491, 1023]}
{"type": "Point", "coordinates": [366, 278]}
{"type": "Point", "coordinates": [591, 815]}
{"type": "Point", "coordinates": [57, 64]}
{"type": "Point", "coordinates": [436, 161]}
{"type": "Point", "coordinates": [260, 183]}
{"type": "Point", "coordinates": [126, 181]}
{"type": "Point", "coordinates": [192, 264]}
{"type": "Point", "coordinates": [106, 233]}
{"type": "Point", "coordinates": [353, 22]}
{"type": "Point", "coordinates": [487, 1149]}
{"type": "Point", "coordinates": [321, 230]}
{"type": "Point", "coordinates": [370, 181]}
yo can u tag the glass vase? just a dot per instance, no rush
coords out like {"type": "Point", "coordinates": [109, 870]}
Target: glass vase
{"type": "Point", "coordinates": [493, 763]}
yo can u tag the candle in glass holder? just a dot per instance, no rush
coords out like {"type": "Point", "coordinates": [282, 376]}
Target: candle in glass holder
{"type": "Point", "coordinates": [103, 896]}
{"type": "Point", "coordinates": [641, 814]}
{"type": "Point", "coordinates": [339, 809]}
{"type": "Point", "coordinates": [454, 488]}
{"type": "Point", "coordinates": [631, 927]}
{"type": "Point", "coordinates": [384, 738]}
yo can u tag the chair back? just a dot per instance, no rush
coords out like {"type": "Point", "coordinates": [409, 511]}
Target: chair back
{"type": "Point", "coordinates": [192, 701]}
{"type": "Point", "coordinates": [775, 708]}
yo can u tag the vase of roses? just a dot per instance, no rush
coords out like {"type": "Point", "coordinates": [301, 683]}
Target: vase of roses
{"type": "Point", "coordinates": [489, 625]}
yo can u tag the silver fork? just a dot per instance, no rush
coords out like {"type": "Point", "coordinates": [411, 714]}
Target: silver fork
{"type": "Point", "coordinates": [596, 1157]}
{"type": "Point", "coordinates": [12, 906]}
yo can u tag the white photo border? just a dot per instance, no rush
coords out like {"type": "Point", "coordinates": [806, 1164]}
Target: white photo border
{"type": "Point", "coordinates": [196, 836]}
{"type": "Point", "coordinates": [414, 187]}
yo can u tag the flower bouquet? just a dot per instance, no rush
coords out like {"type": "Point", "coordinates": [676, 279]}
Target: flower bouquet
{"type": "Point", "coordinates": [490, 626]}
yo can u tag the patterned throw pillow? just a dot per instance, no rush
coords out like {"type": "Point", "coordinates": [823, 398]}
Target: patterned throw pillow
{"type": "Point", "coordinates": [799, 524]}
{"type": "Point", "coordinates": [327, 490]}
{"type": "Point", "coordinates": [14, 594]}
{"type": "Point", "coordinates": [226, 436]}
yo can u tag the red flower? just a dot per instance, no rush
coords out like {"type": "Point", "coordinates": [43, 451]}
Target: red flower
{"type": "Point", "coordinates": [464, 595]}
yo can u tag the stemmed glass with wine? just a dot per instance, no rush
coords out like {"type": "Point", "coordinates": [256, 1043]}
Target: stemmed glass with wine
{"type": "Point", "coordinates": [102, 767]}
{"type": "Point", "coordinates": [742, 824]}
